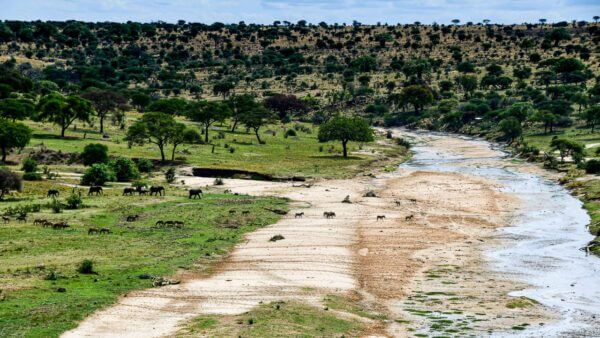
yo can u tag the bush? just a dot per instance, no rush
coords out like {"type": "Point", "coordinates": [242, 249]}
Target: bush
{"type": "Point", "coordinates": [56, 206]}
{"type": "Point", "coordinates": [170, 175]}
{"type": "Point", "coordinates": [86, 266]}
{"type": "Point", "coordinates": [125, 169]}
{"type": "Point", "coordinates": [32, 176]}
{"type": "Point", "coordinates": [592, 166]}
{"type": "Point", "coordinates": [29, 165]}
{"type": "Point", "coordinates": [192, 136]}
{"type": "Point", "coordinates": [74, 201]}
{"type": "Point", "coordinates": [98, 174]}
{"type": "Point", "coordinates": [94, 153]}
{"type": "Point", "coordinates": [9, 181]}
{"type": "Point", "coordinates": [218, 181]}
{"type": "Point", "coordinates": [402, 142]}
{"type": "Point", "coordinates": [290, 132]}
{"type": "Point", "coordinates": [145, 165]}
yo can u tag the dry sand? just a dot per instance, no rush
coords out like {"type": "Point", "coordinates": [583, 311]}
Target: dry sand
{"type": "Point", "coordinates": [385, 262]}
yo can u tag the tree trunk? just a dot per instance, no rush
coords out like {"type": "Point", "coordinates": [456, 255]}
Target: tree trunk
{"type": "Point", "coordinates": [235, 123]}
{"type": "Point", "coordinates": [206, 132]}
{"type": "Point", "coordinates": [4, 154]}
{"type": "Point", "coordinates": [102, 123]}
{"type": "Point", "coordinates": [162, 153]}
{"type": "Point", "coordinates": [257, 136]}
{"type": "Point", "coordinates": [345, 146]}
{"type": "Point", "coordinates": [62, 131]}
{"type": "Point", "coordinates": [173, 153]}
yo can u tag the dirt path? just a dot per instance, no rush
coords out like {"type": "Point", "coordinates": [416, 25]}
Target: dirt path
{"type": "Point", "coordinates": [386, 262]}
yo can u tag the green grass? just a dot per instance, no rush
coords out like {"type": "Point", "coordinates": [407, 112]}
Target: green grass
{"type": "Point", "coordinates": [537, 138]}
{"type": "Point", "coordinates": [278, 319]}
{"type": "Point", "coordinates": [521, 303]}
{"type": "Point", "coordinates": [302, 155]}
{"type": "Point", "coordinates": [30, 305]}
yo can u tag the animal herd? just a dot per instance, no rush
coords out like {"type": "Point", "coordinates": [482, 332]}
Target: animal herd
{"type": "Point", "coordinates": [131, 191]}
{"type": "Point", "coordinates": [331, 214]}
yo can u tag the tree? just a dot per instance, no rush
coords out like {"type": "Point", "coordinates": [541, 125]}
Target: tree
{"type": "Point", "coordinates": [255, 118]}
{"type": "Point", "coordinates": [63, 111]}
{"type": "Point", "coordinates": [511, 128]}
{"type": "Point", "coordinates": [157, 128]}
{"type": "Point", "coordinates": [16, 109]}
{"type": "Point", "coordinates": [557, 35]}
{"type": "Point", "coordinates": [9, 181]}
{"type": "Point", "coordinates": [240, 105]}
{"type": "Point", "coordinates": [567, 147]}
{"type": "Point", "coordinates": [468, 83]}
{"type": "Point", "coordinates": [105, 102]}
{"type": "Point", "coordinates": [13, 135]}
{"type": "Point", "coordinates": [140, 101]}
{"type": "Point", "coordinates": [94, 153]}
{"type": "Point", "coordinates": [125, 169]}
{"type": "Point", "coordinates": [418, 96]}
{"type": "Point", "coordinates": [283, 105]}
{"type": "Point", "coordinates": [207, 113]}
{"type": "Point", "coordinates": [592, 116]}
{"type": "Point", "coordinates": [223, 88]}
{"type": "Point", "coordinates": [98, 174]}
{"type": "Point", "coordinates": [168, 106]}
{"type": "Point", "coordinates": [346, 129]}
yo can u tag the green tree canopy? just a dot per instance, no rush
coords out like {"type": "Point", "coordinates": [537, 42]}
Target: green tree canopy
{"type": "Point", "coordinates": [63, 111]}
{"type": "Point", "coordinates": [13, 135]}
{"type": "Point", "coordinates": [207, 113]}
{"type": "Point", "coordinates": [346, 129]}
{"type": "Point", "coordinates": [157, 128]}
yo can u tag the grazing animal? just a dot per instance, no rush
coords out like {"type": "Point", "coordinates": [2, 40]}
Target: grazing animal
{"type": "Point", "coordinates": [132, 218]}
{"type": "Point", "coordinates": [380, 217]}
{"type": "Point", "coordinates": [409, 217]}
{"type": "Point", "coordinates": [47, 224]}
{"type": "Point", "coordinates": [128, 191]}
{"type": "Point", "coordinates": [232, 212]}
{"type": "Point", "coordinates": [413, 200]}
{"type": "Point", "coordinates": [398, 203]}
{"type": "Point", "coordinates": [95, 190]}
{"type": "Point", "coordinates": [39, 222]}
{"type": "Point", "coordinates": [329, 214]}
{"type": "Point", "coordinates": [245, 213]}
{"type": "Point", "coordinates": [104, 231]}
{"type": "Point", "coordinates": [178, 224]}
{"type": "Point", "coordinates": [92, 231]}
{"type": "Point", "coordinates": [169, 223]}
{"type": "Point", "coordinates": [60, 225]}
{"type": "Point", "coordinates": [53, 193]}
{"type": "Point", "coordinates": [299, 215]}
{"type": "Point", "coordinates": [5, 219]}
{"type": "Point", "coordinates": [195, 193]}
{"type": "Point", "coordinates": [22, 218]}
{"type": "Point", "coordinates": [159, 223]}
{"type": "Point", "coordinates": [157, 190]}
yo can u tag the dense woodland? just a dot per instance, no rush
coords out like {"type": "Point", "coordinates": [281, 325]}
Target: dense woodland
{"type": "Point", "coordinates": [483, 78]}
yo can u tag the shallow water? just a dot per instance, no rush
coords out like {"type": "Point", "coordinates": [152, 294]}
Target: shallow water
{"type": "Point", "coordinates": [541, 247]}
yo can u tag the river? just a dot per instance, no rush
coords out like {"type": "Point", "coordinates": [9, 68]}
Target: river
{"type": "Point", "coordinates": [541, 245]}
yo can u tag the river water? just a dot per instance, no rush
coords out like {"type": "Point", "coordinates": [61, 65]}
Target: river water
{"type": "Point", "coordinates": [541, 246]}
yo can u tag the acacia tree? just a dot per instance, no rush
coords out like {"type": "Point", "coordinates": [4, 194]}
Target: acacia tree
{"type": "Point", "coordinates": [567, 147]}
{"type": "Point", "coordinates": [207, 113]}
{"type": "Point", "coordinates": [592, 116]}
{"type": "Point", "coordinates": [105, 102]}
{"type": "Point", "coordinates": [418, 96]}
{"type": "Point", "coordinates": [13, 135]}
{"type": "Point", "coordinates": [346, 129]}
{"type": "Point", "coordinates": [255, 118]}
{"type": "Point", "coordinates": [283, 105]}
{"type": "Point", "coordinates": [241, 105]}
{"type": "Point", "coordinates": [63, 111]}
{"type": "Point", "coordinates": [16, 109]}
{"type": "Point", "coordinates": [157, 128]}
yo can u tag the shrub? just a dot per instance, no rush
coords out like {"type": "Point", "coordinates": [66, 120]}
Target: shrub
{"type": "Point", "coordinates": [98, 174]}
{"type": "Point", "coordinates": [125, 169]}
{"type": "Point", "coordinates": [192, 136]}
{"type": "Point", "coordinates": [86, 267]}
{"type": "Point", "coordinates": [32, 176]}
{"type": "Point", "coordinates": [232, 150]}
{"type": "Point", "coordinates": [145, 165]}
{"type": "Point", "coordinates": [170, 175]}
{"type": "Point", "coordinates": [592, 166]}
{"type": "Point", "coordinates": [94, 153]}
{"type": "Point", "coordinates": [290, 132]}
{"type": "Point", "coordinates": [402, 142]}
{"type": "Point", "coordinates": [29, 165]}
{"type": "Point", "coordinates": [218, 181]}
{"type": "Point", "coordinates": [9, 181]}
{"type": "Point", "coordinates": [74, 201]}
{"type": "Point", "coordinates": [56, 206]}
